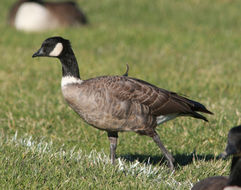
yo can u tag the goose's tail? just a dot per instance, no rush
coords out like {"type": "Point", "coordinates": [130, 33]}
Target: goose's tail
{"type": "Point", "coordinates": [197, 107]}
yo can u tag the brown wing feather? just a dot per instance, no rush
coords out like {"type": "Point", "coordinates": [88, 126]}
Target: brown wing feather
{"type": "Point", "coordinates": [159, 101]}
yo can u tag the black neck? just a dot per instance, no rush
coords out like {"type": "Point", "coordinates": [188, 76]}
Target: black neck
{"type": "Point", "coordinates": [235, 175]}
{"type": "Point", "coordinates": [69, 64]}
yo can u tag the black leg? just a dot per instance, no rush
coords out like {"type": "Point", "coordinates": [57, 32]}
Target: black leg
{"type": "Point", "coordinates": [113, 136]}
{"type": "Point", "coordinates": [168, 155]}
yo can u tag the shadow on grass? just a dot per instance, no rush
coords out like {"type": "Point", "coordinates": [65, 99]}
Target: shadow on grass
{"type": "Point", "coordinates": [180, 159]}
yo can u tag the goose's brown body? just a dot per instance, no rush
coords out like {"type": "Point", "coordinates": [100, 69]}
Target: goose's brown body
{"type": "Point", "coordinates": [212, 183]}
{"type": "Point", "coordinates": [119, 103]}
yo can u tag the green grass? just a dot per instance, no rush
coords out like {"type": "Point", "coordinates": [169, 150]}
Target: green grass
{"type": "Point", "coordinates": [190, 47]}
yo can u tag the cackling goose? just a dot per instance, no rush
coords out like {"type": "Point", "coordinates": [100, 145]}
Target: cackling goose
{"type": "Point", "coordinates": [118, 103]}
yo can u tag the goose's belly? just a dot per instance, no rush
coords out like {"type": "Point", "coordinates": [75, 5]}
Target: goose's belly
{"type": "Point", "coordinates": [107, 113]}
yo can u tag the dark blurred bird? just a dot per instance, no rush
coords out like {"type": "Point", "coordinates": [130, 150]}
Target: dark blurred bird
{"type": "Point", "coordinates": [118, 103]}
{"type": "Point", "coordinates": [38, 15]}
{"type": "Point", "coordinates": [233, 182]}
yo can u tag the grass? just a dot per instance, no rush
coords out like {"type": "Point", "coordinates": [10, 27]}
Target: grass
{"type": "Point", "coordinates": [190, 47]}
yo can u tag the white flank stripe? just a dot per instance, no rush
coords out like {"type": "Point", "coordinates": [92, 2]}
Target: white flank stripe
{"type": "Point", "coordinates": [70, 80]}
{"type": "Point", "coordinates": [164, 118]}
{"type": "Point", "coordinates": [57, 50]}
{"type": "Point", "coordinates": [232, 188]}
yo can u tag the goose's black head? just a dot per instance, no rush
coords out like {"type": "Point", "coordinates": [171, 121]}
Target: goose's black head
{"type": "Point", "coordinates": [53, 47]}
{"type": "Point", "coordinates": [234, 142]}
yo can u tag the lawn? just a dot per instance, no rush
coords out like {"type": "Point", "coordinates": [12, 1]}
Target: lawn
{"type": "Point", "coordinates": [191, 47]}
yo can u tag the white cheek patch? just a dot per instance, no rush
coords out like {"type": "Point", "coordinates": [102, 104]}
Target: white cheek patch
{"type": "Point", "coordinates": [70, 80]}
{"type": "Point", "coordinates": [57, 50]}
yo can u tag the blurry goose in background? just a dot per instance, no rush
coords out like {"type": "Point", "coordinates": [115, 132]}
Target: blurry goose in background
{"type": "Point", "coordinates": [233, 182]}
{"type": "Point", "coordinates": [118, 103]}
{"type": "Point", "coordinates": [37, 15]}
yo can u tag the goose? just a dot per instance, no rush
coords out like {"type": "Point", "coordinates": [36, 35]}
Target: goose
{"type": "Point", "coordinates": [118, 103]}
{"type": "Point", "coordinates": [233, 182]}
{"type": "Point", "coordinates": [38, 15]}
